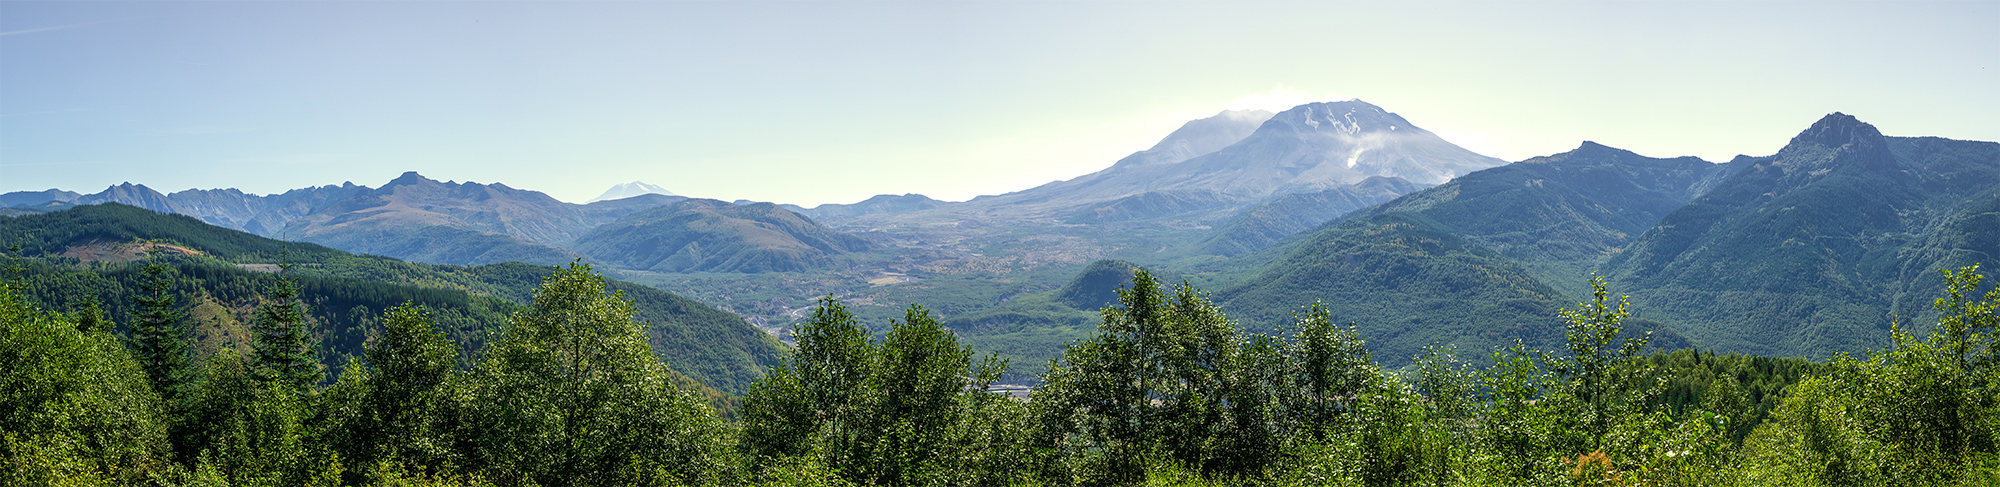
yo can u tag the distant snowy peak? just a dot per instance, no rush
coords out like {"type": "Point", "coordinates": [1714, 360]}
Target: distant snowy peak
{"type": "Point", "coordinates": [628, 190]}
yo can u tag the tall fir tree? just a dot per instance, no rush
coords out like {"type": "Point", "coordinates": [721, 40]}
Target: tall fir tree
{"type": "Point", "coordinates": [159, 337]}
{"type": "Point", "coordinates": [284, 342]}
{"type": "Point", "coordinates": [90, 317]}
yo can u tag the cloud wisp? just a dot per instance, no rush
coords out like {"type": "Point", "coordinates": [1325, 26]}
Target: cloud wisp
{"type": "Point", "coordinates": [59, 27]}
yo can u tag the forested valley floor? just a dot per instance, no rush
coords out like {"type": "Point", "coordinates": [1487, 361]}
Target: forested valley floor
{"type": "Point", "coordinates": [568, 391]}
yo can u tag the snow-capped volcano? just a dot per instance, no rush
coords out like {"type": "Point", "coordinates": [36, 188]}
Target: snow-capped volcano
{"type": "Point", "coordinates": [628, 190]}
{"type": "Point", "coordinates": [1308, 148]}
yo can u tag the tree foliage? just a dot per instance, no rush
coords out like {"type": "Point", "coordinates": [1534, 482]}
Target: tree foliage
{"type": "Point", "coordinates": [75, 407]}
{"type": "Point", "coordinates": [159, 337]}
{"type": "Point", "coordinates": [572, 393]}
{"type": "Point", "coordinates": [909, 409]}
{"type": "Point", "coordinates": [284, 340]}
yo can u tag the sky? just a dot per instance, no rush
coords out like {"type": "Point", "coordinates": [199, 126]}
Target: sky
{"type": "Point", "coordinates": [832, 102]}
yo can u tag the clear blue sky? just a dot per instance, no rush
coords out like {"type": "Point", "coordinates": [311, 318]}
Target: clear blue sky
{"type": "Point", "coordinates": [830, 102]}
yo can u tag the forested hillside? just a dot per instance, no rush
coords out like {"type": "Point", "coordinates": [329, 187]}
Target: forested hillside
{"type": "Point", "coordinates": [345, 293]}
{"type": "Point", "coordinates": [1857, 222]}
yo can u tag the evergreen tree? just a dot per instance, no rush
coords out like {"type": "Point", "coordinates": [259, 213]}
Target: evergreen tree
{"type": "Point", "coordinates": [90, 317]}
{"type": "Point", "coordinates": [284, 345]}
{"type": "Point", "coordinates": [159, 337]}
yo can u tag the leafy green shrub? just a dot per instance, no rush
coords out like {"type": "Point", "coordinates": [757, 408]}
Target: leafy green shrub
{"type": "Point", "coordinates": [910, 409]}
{"type": "Point", "coordinates": [572, 394]}
{"type": "Point", "coordinates": [75, 407]}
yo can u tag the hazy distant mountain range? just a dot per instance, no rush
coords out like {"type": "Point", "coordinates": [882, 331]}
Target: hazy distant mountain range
{"type": "Point", "coordinates": [1416, 240]}
{"type": "Point", "coordinates": [410, 217]}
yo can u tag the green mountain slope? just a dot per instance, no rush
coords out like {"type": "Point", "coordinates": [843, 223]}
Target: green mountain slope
{"type": "Point", "coordinates": [704, 235]}
{"type": "Point", "coordinates": [1097, 286]}
{"type": "Point", "coordinates": [1407, 283]}
{"type": "Point", "coordinates": [1482, 259]}
{"type": "Point", "coordinates": [347, 292]}
{"type": "Point", "coordinates": [1812, 250]}
{"type": "Point", "coordinates": [1265, 224]}
{"type": "Point", "coordinates": [1560, 216]}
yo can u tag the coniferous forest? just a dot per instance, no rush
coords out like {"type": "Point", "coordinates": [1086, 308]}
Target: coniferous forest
{"type": "Point", "coordinates": [1168, 391]}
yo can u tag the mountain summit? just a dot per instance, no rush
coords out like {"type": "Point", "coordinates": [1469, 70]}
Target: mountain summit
{"type": "Point", "coordinates": [1318, 146]}
{"type": "Point", "coordinates": [628, 190]}
{"type": "Point", "coordinates": [1308, 148]}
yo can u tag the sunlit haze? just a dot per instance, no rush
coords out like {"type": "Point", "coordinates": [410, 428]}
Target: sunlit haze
{"type": "Point", "coordinates": [831, 102]}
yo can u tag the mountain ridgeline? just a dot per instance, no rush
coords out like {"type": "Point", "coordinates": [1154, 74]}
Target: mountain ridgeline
{"type": "Point", "coordinates": [420, 219]}
{"type": "Point", "coordinates": [1810, 251]}
{"type": "Point", "coordinates": [1818, 247]}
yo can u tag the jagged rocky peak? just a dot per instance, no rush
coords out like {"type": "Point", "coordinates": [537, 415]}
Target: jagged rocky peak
{"type": "Point", "coordinates": [127, 190]}
{"type": "Point", "coordinates": [1838, 129]}
{"type": "Point", "coordinates": [1351, 117]}
{"type": "Point", "coordinates": [1589, 146]}
{"type": "Point", "coordinates": [408, 178]}
{"type": "Point", "coordinates": [455, 189]}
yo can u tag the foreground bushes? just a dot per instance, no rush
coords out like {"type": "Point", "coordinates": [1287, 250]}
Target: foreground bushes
{"type": "Point", "coordinates": [1169, 392]}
